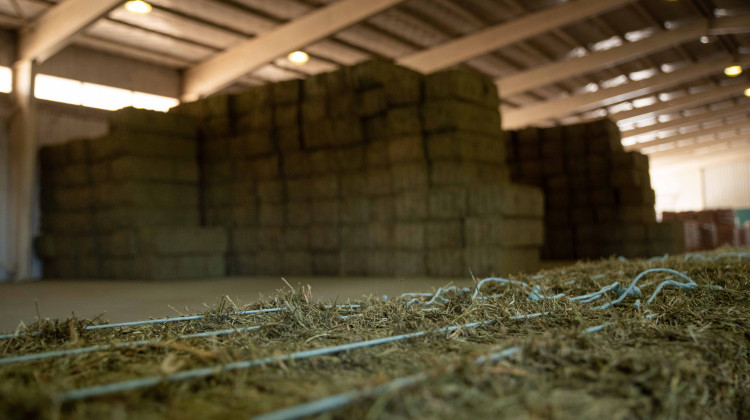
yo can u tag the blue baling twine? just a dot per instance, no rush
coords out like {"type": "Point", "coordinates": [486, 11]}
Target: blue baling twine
{"type": "Point", "coordinates": [117, 387]}
{"type": "Point", "coordinates": [342, 400]}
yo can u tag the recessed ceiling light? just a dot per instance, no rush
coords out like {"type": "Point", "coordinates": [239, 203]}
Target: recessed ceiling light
{"type": "Point", "coordinates": [298, 57]}
{"type": "Point", "coordinates": [138, 7]}
{"type": "Point", "coordinates": [733, 71]}
{"type": "Point", "coordinates": [705, 39]}
{"type": "Point", "coordinates": [747, 92]}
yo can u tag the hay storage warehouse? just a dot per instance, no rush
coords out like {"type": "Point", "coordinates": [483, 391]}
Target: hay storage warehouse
{"type": "Point", "coordinates": [381, 208]}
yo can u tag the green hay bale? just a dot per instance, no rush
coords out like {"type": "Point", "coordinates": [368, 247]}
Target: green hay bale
{"type": "Point", "coordinates": [297, 263]}
{"type": "Point", "coordinates": [254, 119]}
{"type": "Point", "coordinates": [410, 263]}
{"type": "Point", "coordinates": [403, 122]}
{"type": "Point", "coordinates": [252, 144]}
{"type": "Point", "coordinates": [256, 97]}
{"type": "Point", "coordinates": [409, 236]}
{"type": "Point", "coordinates": [381, 263]}
{"type": "Point", "coordinates": [298, 213]}
{"type": "Point", "coordinates": [271, 215]}
{"type": "Point", "coordinates": [448, 115]}
{"type": "Point", "coordinates": [325, 211]}
{"type": "Point", "coordinates": [491, 261]}
{"type": "Point", "coordinates": [462, 145]}
{"type": "Point", "coordinates": [68, 222]}
{"type": "Point", "coordinates": [131, 168]}
{"type": "Point", "coordinates": [462, 85]}
{"type": "Point", "coordinates": [286, 115]}
{"type": "Point", "coordinates": [324, 237]}
{"type": "Point", "coordinates": [112, 219]}
{"type": "Point", "coordinates": [371, 102]}
{"type": "Point", "coordinates": [411, 206]}
{"type": "Point", "coordinates": [406, 149]}
{"type": "Point", "coordinates": [410, 177]}
{"type": "Point", "coordinates": [216, 127]}
{"type": "Point", "coordinates": [354, 237]}
{"type": "Point", "coordinates": [402, 86]}
{"type": "Point", "coordinates": [354, 211]}
{"type": "Point", "coordinates": [132, 120]}
{"type": "Point", "coordinates": [142, 144]}
{"type": "Point", "coordinates": [379, 183]}
{"type": "Point", "coordinates": [296, 239]}
{"type": "Point", "coordinates": [444, 234]}
{"type": "Point", "coordinates": [507, 233]}
{"type": "Point", "coordinates": [145, 195]}
{"type": "Point", "coordinates": [287, 92]}
{"type": "Point", "coordinates": [65, 245]}
{"type": "Point", "coordinates": [448, 203]}
{"type": "Point", "coordinates": [447, 262]}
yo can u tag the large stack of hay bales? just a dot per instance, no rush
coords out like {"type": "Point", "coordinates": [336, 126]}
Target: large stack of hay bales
{"type": "Point", "coordinates": [370, 170]}
{"type": "Point", "coordinates": [126, 205]}
{"type": "Point", "coordinates": [599, 200]}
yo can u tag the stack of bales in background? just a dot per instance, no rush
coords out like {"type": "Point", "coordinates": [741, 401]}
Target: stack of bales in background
{"type": "Point", "coordinates": [134, 194]}
{"type": "Point", "coordinates": [599, 200]}
{"type": "Point", "coordinates": [69, 245]}
{"type": "Point", "coordinates": [708, 229]}
{"type": "Point", "coordinates": [369, 170]}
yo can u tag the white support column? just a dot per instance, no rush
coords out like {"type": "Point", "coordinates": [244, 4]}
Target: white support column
{"type": "Point", "coordinates": [527, 115]}
{"type": "Point", "coordinates": [560, 70]}
{"type": "Point", "coordinates": [22, 153]}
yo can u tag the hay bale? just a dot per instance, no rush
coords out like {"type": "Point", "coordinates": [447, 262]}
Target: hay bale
{"type": "Point", "coordinates": [409, 235]}
{"type": "Point", "coordinates": [410, 263]}
{"type": "Point", "coordinates": [446, 262]}
{"type": "Point", "coordinates": [132, 120]}
{"type": "Point", "coordinates": [355, 211]}
{"type": "Point", "coordinates": [406, 149]}
{"type": "Point", "coordinates": [499, 231]}
{"type": "Point", "coordinates": [444, 234]}
{"type": "Point", "coordinates": [492, 261]}
{"type": "Point", "coordinates": [452, 115]}
{"type": "Point", "coordinates": [111, 219]}
{"type": "Point", "coordinates": [462, 85]}
{"type": "Point", "coordinates": [252, 144]}
{"type": "Point", "coordinates": [297, 263]}
{"type": "Point", "coordinates": [142, 144]}
{"type": "Point", "coordinates": [324, 237]}
{"type": "Point", "coordinates": [411, 206]}
{"type": "Point", "coordinates": [464, 145]}
{"type": "Point", "coordinates": [448, 203]}
{"type": "Point", "coordinates": [410, 177]}
{"type": "Point", "coordinates": [298, 213]}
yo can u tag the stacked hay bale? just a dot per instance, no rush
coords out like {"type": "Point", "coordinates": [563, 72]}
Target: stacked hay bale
{"type": "Point", "coordinates": [376, 164]}
{"type": "Point", "coordinates": [599, 199]}
{"type": "Point", "coordinates": [141, 199]}
{"type": "Point", "coordinates": [69, 245]}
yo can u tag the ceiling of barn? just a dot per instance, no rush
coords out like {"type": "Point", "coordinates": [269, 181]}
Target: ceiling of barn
{"type": "Point", "coordinates": [655, 66]}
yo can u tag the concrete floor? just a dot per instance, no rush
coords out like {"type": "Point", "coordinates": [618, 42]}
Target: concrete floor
{"type": "Point", "coordinates": [136, 300]}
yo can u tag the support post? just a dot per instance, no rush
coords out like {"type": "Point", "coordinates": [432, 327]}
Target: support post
{"type": "Point", "coordinates": [23, 169]}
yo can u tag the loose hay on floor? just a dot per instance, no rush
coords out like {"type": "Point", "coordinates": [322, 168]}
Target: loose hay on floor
{"type": "Point", "coordinates": [689, 361]}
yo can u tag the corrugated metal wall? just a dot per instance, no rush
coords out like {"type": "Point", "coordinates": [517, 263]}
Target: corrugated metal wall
{"type": "Point", "coordinates": [727, 186]}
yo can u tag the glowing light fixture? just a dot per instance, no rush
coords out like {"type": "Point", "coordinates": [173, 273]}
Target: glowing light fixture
{"type": "Point", "coordinates": [138, 7]}
{"type": "Point", "coordinates": [705, 40]}
{"type": "Point", "coordinates": [733, 71]}
{"type": "Point", "coordinates": [747, 92]}
{"type": "Point", "coordinates": [298, 57]}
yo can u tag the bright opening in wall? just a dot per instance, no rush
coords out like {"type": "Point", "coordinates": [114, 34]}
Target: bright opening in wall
{"type": "Point", "coordinates": [92, 95]}
{"type": "Point", "coordinates": [6, 80]}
